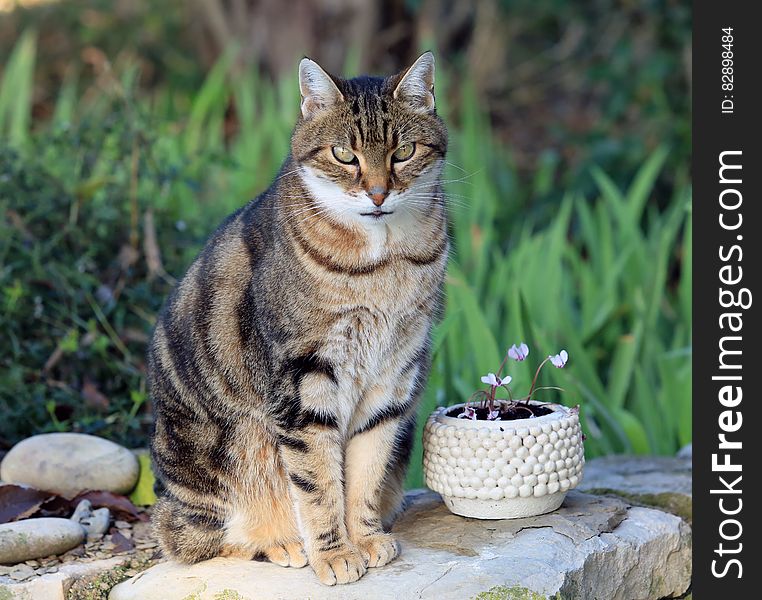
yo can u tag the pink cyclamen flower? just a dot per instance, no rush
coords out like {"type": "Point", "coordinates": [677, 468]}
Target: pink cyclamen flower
{"type": "Point", "coordinates": [519, 353]}
{"type": "Point", "coordinates": [559, 360]}
{"type": "Point", "coordinates": [495, 381]}
{"type": "Point", "coordinates": [468, 413]}
{"type": "Point", "coordinates": [494, 415]}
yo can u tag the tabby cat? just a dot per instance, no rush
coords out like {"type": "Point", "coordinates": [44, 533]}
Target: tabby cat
{"type": "Point", "coordinates": [286, 366]}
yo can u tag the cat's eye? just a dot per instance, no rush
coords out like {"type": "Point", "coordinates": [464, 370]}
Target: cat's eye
{"type": "Point", "coordinates": [343, 155]}
{"type": "Point", "coordinates": [404, 152]}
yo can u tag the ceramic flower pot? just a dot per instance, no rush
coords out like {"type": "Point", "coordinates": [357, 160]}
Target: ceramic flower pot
{"type": "Point", "coordinates": [503, 469]}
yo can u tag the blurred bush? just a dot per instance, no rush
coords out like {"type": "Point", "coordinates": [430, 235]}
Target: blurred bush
{"type": "Point", "coordinates": [83, 258]}
{"type": "Point", "coordinates": [600, 82]}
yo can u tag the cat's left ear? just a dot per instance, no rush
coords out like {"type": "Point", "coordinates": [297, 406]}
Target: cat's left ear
{"type": "Point", "coordinates": [416, 87]}
{"type": "Point", "coordinates": [318, 89]}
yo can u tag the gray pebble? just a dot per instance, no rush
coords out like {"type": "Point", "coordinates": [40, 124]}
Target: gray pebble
{"type": "Point", "coordinates": [33, 538]}
{"type": "Point", "coordinates": [21, 572]}
{"type": "Point", "coordinates": [97, 524]}
{"type": "Point", "coordinates": [83, 511]}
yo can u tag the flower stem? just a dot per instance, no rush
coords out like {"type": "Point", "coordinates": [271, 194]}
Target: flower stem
{"type": "Point", "coordinates": [502, 364]}
{"type": "Point", "coordinates": [536, 374]}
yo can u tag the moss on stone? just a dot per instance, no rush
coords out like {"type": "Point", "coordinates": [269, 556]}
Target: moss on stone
{"type": "Point", "coordinates": [197, 594]}
{"type": "Point", "coordinates": [98, 587]}
{"type": "Point", "coordinates": [228, 595]}
{"type": "Point", "coordinates": [672, 502]}
{"type": "Point", "coordinates": [502, 592]}
{"type": "Point", "coordinates": [5, 593]}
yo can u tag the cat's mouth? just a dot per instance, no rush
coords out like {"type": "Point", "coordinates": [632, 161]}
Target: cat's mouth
{"type": "Point", "coordinates": [376, 214]}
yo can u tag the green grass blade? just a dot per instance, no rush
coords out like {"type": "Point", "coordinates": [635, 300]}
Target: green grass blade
{"type": "Point", "coordinates": [16, 90]}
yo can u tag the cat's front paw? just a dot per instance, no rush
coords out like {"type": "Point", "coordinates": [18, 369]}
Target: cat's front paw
{"type": "Point", "coordinates": [342, 565]}
{"type": "Point", "coordinates": [378, 549]}
{"type": "Point", "coordinates": [288, 555]}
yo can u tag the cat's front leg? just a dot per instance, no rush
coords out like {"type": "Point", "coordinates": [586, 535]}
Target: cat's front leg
{"type": "Point", "coordinates": [311, 443]}
{"type": "Point", "coordinates": [376, 460]}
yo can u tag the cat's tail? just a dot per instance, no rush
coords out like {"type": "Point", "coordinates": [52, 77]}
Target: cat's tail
{"type": "Point", "coordinates": [186, 533]}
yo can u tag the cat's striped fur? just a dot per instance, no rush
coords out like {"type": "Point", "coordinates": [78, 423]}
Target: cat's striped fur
{"type": "Point", "coordinates": [286, 366]}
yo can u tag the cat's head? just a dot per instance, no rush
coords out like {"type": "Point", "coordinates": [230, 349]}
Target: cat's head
{"type": "Point", "coordinates": [370, 147]}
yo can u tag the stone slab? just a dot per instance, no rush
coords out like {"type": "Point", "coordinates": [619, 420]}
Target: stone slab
{"type": "Point", "coordinates": [663, 482]}
{"type": "Point", "coordinates": [593, 547]}
{"type": "Point", "coordinates": [54, 586]}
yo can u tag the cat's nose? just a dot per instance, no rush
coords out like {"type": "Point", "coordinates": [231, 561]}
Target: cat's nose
{"type": "Point", "coordinates": [378, 194]}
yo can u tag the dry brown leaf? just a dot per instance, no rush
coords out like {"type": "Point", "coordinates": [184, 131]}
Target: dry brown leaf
{"type": "Point", "coordinates": [120, 506]}
{"type": "Point", "coordinates": [93, 397]}
{"type": "Point", "coordinates": [19, 502]}
{"type": "Point", "coordinates": [121, 543]}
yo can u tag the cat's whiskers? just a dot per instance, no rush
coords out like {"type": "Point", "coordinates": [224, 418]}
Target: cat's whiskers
{"type": "Point", "coordinates": [287, 173]}
{"type": "Point", "coordinates": [304, 213]}
{"type": "Point", "coordinates": [318, 212]}
{"type": "Point", "coordinates": [449, 181]}
{"type": "Point", "coordinates": [308, 215]}
{"type": "Point", "coordinates": [450, 198]}
{"type": "Point", "coordinates": [452, 164]}
{"type": "Point", "coordinates": [427, 200]}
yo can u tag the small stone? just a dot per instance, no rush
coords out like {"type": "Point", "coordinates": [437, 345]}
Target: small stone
{"type": "Point", "coordinates": [98, 523]}
{"type": "Point", "coordinates": [95, 522]}
{"type": "Point", "coordinates": [34, 538]}
{"type": "Point", "coordinates": [76, 552]}
{"type": "Point", "coordinates": [121, 524]}
{"type": "Point", "coordinates": [21, 572]}
{"type": "Point", "coordinates": [83, 511]}
{"type": "Point", "coordinates": [146, 545]}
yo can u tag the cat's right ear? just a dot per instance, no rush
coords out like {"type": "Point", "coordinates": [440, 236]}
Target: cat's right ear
{"type": "Point", "coordinates": [317, 88]}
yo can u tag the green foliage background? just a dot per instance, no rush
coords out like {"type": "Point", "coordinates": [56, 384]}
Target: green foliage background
{"type": "Point", "coordinates": [107, 196]}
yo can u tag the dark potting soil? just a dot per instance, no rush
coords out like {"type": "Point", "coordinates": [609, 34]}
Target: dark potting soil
{"type": "Point", "coordinates": [508, 411]}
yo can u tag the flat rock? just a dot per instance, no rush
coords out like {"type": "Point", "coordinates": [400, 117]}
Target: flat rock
{"type": "Point", "coordinates": [55, 586]}
{"type": "Point", "coordinates": [34, 538]}
{"type": "Point", "coordinates": [663, 482]}
{"type": "Point", "coordinates": [70, 463]}
{"type": "Point", "coordinates": [593, 547]}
